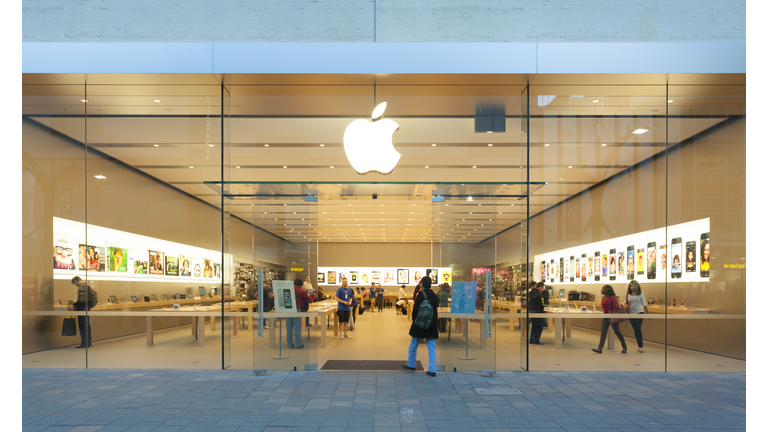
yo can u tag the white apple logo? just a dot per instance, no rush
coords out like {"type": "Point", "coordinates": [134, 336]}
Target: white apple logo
{"type": "Point", "coordinates": [369, 144]}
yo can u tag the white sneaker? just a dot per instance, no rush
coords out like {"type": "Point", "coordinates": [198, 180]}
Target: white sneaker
{"type": "Point", "coordinates": [348, 336]}
{"type": "Point", "coordinates": [342, 337]}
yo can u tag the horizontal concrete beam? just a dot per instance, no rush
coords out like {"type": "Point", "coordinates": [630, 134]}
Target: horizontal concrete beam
{"type": "Point", "coordinates": [393, 58]}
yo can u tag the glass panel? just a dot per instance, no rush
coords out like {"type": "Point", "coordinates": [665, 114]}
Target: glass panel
{"type": "Point", "coordinates": [53, 190]}
{"type": "Point", "coordinates": [601, 151]}
{"type": "Point", "coordinates": [159, 283]}
{"type": "Point", "coordinates": [706, 297]}
{"type": "Point", "coordinates": [230, 322]}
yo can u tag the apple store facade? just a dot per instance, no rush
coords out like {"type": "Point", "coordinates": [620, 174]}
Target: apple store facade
{"type": "Point", "coordinates": [189, 184]}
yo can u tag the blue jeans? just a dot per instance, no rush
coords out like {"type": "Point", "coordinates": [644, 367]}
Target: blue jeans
{"type": "Point", "coordinates": [636, 324]}
{"type": "Point", "coordinates": [293, 331]}
{"type": "Point", "coordinates": [431, 349]}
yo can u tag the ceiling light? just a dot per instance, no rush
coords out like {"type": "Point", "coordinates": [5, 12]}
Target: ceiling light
{"type": "Point", "coordinates": [322, 145]}
{"type": "Point", "coordinates": [474, 166]}
{"type": "Point", "coordinates": [489, 131]}
{"type": "Point", "coordinates": [100, 177]}
{"type": "Point", "coordinates": [285, 166]}
{"type": "Point", "coordinates": [596, 101]}
{"type": "Point", "coordinates": [490, 145]}
{"type": "Point", "coordinates": [331, 166]}
{"type": "Point", "coordinates": [83, 100]}
{"type": "Point", "coordinates": [640, 130]}
{"type": "Point", "coordinates": [669, 101]}
{"type": "Point", "coordinates": [570, 166]}
{"type": "Point", "coordinates": [266, 145]}
{"type": "Point", "coordinates": [603, 145]}
{"type": "Point", "coordinates": [191, 166]}
{"type": "Point", "coordinates": [426, 166]}
{"type": "Point", "coordinates": [210, 145]}
{"type": "Point", "coordinates": [237, 166]}
{"type": "Point", "coordinates": [434, 145]}
{"type": "Point", "coordinates": [157, 100]}
{"type": "Point", "coordinates": [157, 145]}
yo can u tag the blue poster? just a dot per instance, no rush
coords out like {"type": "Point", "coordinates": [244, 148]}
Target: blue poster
{"type": "Point", "coordinates": [463, 297]}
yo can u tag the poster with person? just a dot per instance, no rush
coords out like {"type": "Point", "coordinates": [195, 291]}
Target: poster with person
{"type": "Point", "coordinates": [463, 297]}
{"type": "Point", "coordinates": [137, 262]}
{"type": "Point", "coordinates": [171, 266]}
{"type": "Point", "coordinates": [156, 261]}
{"type": "Point", "coordinates": [185, 265]}
{"type": "Point", "coordinates": [118, 259]}
{"type": "Point", "coordinates": [92, 258]}
{"type": "Point", "coordinates": [64, 253]}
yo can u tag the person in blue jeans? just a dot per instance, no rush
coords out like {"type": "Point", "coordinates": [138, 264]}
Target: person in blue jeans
{"type": "Point", "coordinates": [380, 298]}
{"type": "Point", "coordinates": [417, 334]}
{"type": "Point", "coordinates": [293, 325]}
{"type": "Point", "coordinates": [373, 294]}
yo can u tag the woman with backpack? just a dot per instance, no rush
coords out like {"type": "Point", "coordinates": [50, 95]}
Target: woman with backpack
{"type": "Point", "coordinates": [424, 325]}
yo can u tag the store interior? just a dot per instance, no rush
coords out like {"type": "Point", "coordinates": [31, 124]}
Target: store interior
{"type": "Point", "coordinates": [249, 173]}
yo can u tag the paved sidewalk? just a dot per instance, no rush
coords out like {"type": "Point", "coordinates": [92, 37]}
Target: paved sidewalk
{"type": "Point", "coordinates": [194, 400]}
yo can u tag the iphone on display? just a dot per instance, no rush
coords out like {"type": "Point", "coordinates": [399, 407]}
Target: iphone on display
{"type": "Point", "coordinates": [543, 270]}
{"type": "Point", "coordinates": [561, 270]}
{"type": "Point", "coordinates": [554, 269]}
{"type": "Point", "coordinates": [690, 256]}
{"type": "Point", "coordinates": [651, 272]}
{"type": "Point", "coordinates": [572, 273]}
{"type": "Point", "coordinates": [630, 262]}
{"type": "Point", "coordinates": [704, 267]}
{"type": "Point", "coordinates": [597, 266]}
{"type": "Point", "coordinates": [641, 261]}
{"type": "Point", "coordinates": [677, 257]}
{"type": "Point", "coordinates": [590, 265]}
{"type": "Point", "coordinates": [612, 264]}
{"type": "Point", "coordinates": [583, 267]}
{"type": "Point", "coordinates": [661, 259]}
{"type": "Point", "coordinates": [605, 265]}
{"type": "Point", "coordinates": [622, 264]}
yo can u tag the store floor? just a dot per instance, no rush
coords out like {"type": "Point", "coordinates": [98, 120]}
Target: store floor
{"type": "Point", "coordinates": [378, 336]}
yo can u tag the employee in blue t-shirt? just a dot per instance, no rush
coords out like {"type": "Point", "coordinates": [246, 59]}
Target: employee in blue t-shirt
{"type": "Point", "coordinates": [380, 298]}
{"type": "Point", "coordinates": [373, 293]}
{"type": "Point", "coordinates": [344, 298]}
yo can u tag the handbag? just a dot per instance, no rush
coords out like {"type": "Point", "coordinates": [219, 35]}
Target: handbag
{"type": "Point", "coordinates": [619, 310]}
{"type": "Point", "coordinates": [360, 310]}
{"type": "Point", "coordinates": [69, 327]}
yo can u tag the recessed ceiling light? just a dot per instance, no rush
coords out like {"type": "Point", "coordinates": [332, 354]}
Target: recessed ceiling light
{"type": "Point", "coordinates": [434, 145]}
{"type": "Point", "coordinates": [596, 101]}
{"type": "Point", "coordinates": [210, 145]}
{"type": "Point", "coordinates": [322, 145]}
{"type": "Point", "coordinates": [266, 145]}
{"type": "Point", "coordinates": [285, 166]}
{"type": "Point", "coordinates": [670, 101]}
{"type": "Point", "coordinates": [426, 166]}
{"type": "Point", "coordinates": [83, 100]}
{"type": "Point", "coordinates": [490, 145]}
{"type": "Point", "coordinates": [603, 145]}
{"type": "Point", "coordinates": [640, 130]}
{"type": "Point", "coordinates": [546, 145]}
{"type": "Point", "coordinates": [100, 177]}
{"type": "Point", "coordinates": [474, 166]}
{"type": "Point", "coordinates": [157, 145]}
{"type": "Point", "coordinates": [570, 166]}
{"type": "Point", "coordinates": [157, 100]}
{"type": "Point", "coordinates": [191, 166]}
{"type": "Point", "coordinates": [331, 166]}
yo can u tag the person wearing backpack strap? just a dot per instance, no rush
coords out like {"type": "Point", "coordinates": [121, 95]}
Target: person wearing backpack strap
{"type": "Point", "coordinates": [424, 325]}
{"type": "Point", "coordinates": [86, 299]}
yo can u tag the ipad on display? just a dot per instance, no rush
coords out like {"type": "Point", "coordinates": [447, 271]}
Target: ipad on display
{"type": "Point", "coordinates": [135, 300]}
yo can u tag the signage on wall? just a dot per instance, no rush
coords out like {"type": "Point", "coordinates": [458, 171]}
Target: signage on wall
{"type": "Point", "coordinates": [368, 144]}
{"type": "Point", "coordinates": [385, 276]}
{"type": "Point", "coordinates": [297, 269]}
{"type": "Point", "coordinates": [644, 257]}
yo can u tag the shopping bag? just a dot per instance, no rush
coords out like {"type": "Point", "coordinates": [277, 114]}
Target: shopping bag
{"type": "Point", "coordinates": [69, 328]}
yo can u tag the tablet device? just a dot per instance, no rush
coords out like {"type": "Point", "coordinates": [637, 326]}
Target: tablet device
{"type": "Point", "coordinates": [113, 299]}
{"type": "Point", "coordinates": [214, 291]}
{"type": "Point", "coordinates": [562, 293]}
{"type": "Point", "coordinates": [146, 299]}
{"type": "Point", "coordinates": [189, 296]}
{"type": "Point", "coordinates": [165, 297]}
{"type": "Point", "coordinates": [177, 296]}
{"type": "Point", "coordinates": [70, 302]}
{"type": "Point", "coordinates": [154, 297]}
{"type": "Point", "coordinates": [135, 300]}
{"type": "Point", "coordinates": [202, 291]}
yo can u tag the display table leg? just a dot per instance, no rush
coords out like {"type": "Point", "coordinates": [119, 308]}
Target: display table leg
{"type": "Point", "coordinates": [271, 332]}
{"type": "Point", "coordinates": [213, 323]}
{"type": "Point", "coordinates": [201, 331]}
{"type": "Point", "coordinates": [558, 332]}
{"type": "Point", "coordinates": [150, 332]}
{"type": "Point", "coordinates": [550, 324]}
{"type": "Point", "coordinates": [193, 327]}
{"type": "Point", "coordinates": [611, 338]}
{"type": "Point", "coordinates": [323, 318]}
{"type": "Point", "coordinates": [335, 324]}
{"type": "Point", "coordinates": [511, 322]}
{"type": "Point", "coordinates": [250, 319]}
{"type": "Point", "coordinates": [567, 327]}
{"type": "Point", "coordinates": [482, 333]}
{"type": "Point", "coordinates": [233, 323]}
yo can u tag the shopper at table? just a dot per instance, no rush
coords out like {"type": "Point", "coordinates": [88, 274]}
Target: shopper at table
{"type": "Point", "coordinates": [400, 298]}
{"type": "Point", "coordinates": [344, 298]}
{"type": "Point", "coordinates": [86, 299]}
{"type": "Point", "coordinates": [610, 305]}
{"type": "Point", "coordinates": [268, 296]}
{"type": "Point", "coordinates": [307, 286]}
{"type": "Point", "coordinates": [366, 298]}
{"type": "Point", "coordinates": [544, 300]}
{"type": "Point", "coordinates": [417, 333]}
{"type": "Point", "coordinates": [293, 325]}
{"type": "Point", "coordinates": [635, 301]}
{"type": "Point", "coordinates": [535, 305]}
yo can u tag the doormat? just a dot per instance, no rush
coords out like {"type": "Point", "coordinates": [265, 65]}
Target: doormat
{"type": "Point", "coordinates": [368, 365]}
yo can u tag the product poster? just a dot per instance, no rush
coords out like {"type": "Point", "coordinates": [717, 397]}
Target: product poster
{"type": "Point", "coordinates": [118, 260]}
{"type": "Point", "coordinates": [321, 277]}
{"type": "Point", "coordinates": [185, 263]}
{"type": "Point", "coordinates": [285, 296]}
{"type": "Point", "coordinates": [417, 275]}
{"type": "Point", "coordinates": [171, 266]}
{"type": "Point", "coordinates": [207, 268]}
{"type": "Point", "coordinates": [375, 277]}
{"type": "Point", "coordinates": [331, 277]}
{"type": "Point", "coordinates": [589, 266]}
{"type": "Point", "coordinates": [353, 278]}
{"type": "Point", "coordinates": [156, 260]}
{"type": "Point", "coordinates": [463, 297]}
{"type": "Point", "coordinates": [434, 275]}
{"type": "Point", "coordinates": [342, 276]}
{"type": "Point", "coordinates": [389, 277]}
{"type": "Point", "coordinates": [365, 278]}
{"type": "Point", "coordinates": [216, 271]}
{"type": "Point", "coordinates": [139, 267]}
{"type": "Point", "coordinates": [64, 253]}
{"type": "Point", "coordinates": [197, 270]}
{"type": "Point", "coordinates": [445, 277]}
{"type": "Point", "coordinates": [402, 276]}
{"type": "Point", "coordinates": [92, 258]}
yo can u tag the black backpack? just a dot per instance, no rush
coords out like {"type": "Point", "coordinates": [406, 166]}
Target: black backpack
{"type": "Point", "coordinates": [425, 315]}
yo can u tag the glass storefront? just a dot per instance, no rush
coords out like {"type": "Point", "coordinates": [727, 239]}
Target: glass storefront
{"type": "Point", "coordinates": [191, 205]}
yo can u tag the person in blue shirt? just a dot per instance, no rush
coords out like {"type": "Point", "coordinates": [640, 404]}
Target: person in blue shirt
{"type": "Point", "coordinates": [373, 293]}
{"type": "Point", "coordinates": [380, 298]}
{"type": "Point", "coordinates": [344, 297]}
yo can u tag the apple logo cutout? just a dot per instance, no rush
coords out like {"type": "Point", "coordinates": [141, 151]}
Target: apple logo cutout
{"type": "Point", "coordinates": [368, 144]}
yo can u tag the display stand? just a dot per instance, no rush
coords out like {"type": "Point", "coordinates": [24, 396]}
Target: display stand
{"type": "Point", "coordinates": [280, 345]}
{"type": "Point", "coordinates": [466, 343]}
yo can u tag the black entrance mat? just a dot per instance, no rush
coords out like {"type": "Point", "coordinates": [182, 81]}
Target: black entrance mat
{"type": "Point", "coordinates": [368, 365]}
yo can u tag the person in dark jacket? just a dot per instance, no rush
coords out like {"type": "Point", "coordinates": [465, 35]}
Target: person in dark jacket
{"type": "Point", "coordinates": [536, 305]}
{"type": "Point", "coordinates": [86, 299]}
{"type": "Point", "coordinates": [425, 293]}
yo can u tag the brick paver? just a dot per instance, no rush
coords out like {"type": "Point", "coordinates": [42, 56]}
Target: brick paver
{"type": "Point", "coordinates": [193, 400]}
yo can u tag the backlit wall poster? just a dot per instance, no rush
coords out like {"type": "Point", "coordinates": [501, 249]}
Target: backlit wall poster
{"type": "Point", "coordinates": [386, 276]}
{"type": "Point", "coordinates": [117, 255]}
{"type": "Point", "coordinates": [463, 297]}
{"type": "Point", "coordinates": [679, 253]}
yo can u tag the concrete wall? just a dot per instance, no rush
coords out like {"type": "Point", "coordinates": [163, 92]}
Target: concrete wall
{"type": "Point", "coordinates": [383, 21]}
